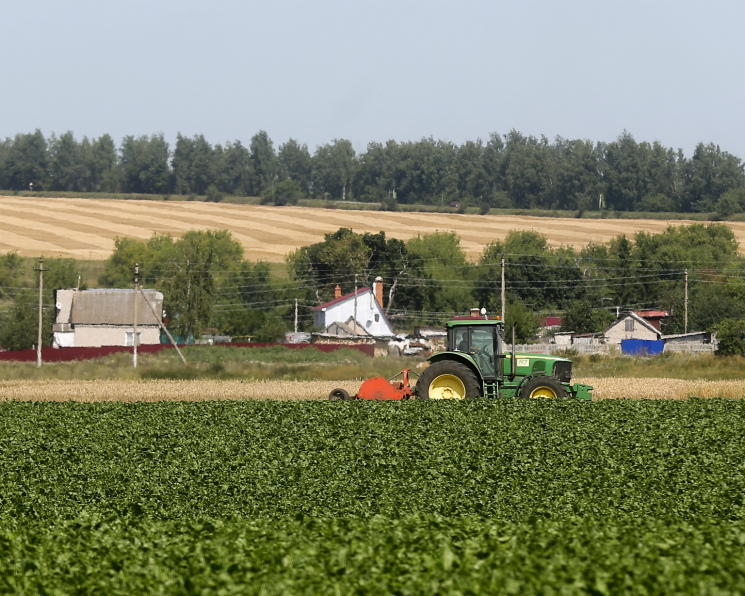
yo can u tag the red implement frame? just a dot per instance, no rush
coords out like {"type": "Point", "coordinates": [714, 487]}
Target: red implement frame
{"type": "Point", "coordinates": [382, 389]}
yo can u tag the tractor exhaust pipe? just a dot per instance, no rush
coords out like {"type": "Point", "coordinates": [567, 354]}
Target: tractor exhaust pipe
{"type": "Point", "coordinates": [513, 362]}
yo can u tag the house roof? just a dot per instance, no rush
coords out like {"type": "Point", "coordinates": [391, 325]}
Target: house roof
{"type": "Point", "coordinates": [640, 320]}
{"type": "Point", "coordinates": [343, 298]}
{"type": "Point", "coordinates": [652, 314]}
{"type": "Point", "coordinates": [551, 321]}
{"type": "Point", "coordinates": [360, 292]}
{"type": "Point", "coordinates": [114, 307]}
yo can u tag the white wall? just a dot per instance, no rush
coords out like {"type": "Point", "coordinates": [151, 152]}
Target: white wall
{"type": "Point", "coordinates": [367, 309]}
{"type": "Point", "coordinates": [95, 336]}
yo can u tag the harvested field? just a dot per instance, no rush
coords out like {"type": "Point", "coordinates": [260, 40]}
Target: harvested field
{"type": "Point", "coordinates": [87, 228]}
{"type": "Point", "coordinates": [162, 390]}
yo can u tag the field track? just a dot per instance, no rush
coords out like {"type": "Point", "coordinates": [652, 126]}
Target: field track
{"type": "Point", "coordinates": [150, 391]}
{"type": "Point", "coordinates": [87, 228]}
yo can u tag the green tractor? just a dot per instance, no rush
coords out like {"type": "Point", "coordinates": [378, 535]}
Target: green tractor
{"type": "Point", "coordinates": [475, 364]}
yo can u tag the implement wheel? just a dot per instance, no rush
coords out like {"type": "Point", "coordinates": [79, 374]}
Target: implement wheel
{"type": "Point", "coordinates": [339, 394]}
{"type": "Point", "coordinates": [447, 380]}
{"type": "Point", "coordinates": [542, 387]}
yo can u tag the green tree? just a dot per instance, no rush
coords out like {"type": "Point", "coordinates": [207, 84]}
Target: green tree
{"type": "Point", "coordinates": [295, 164]}
{"type": "Point", "coordinates": [525, 321]}
{"type": "Point", "coordinates": [234, 169]}
{"type": "Point", "coordinates": [66, 168]}
{"type": "Point", "coordinates": [444, 272]}
{"type": "Point", "coordinates": [587, 316]}
{"type": "Point", "coordinates": [264, 167]}
{"type": "Point", "coordinates": [19, 330]}
{"type": "Point", "coordinates": [27, 161]}
{"type": "Point", "coordinates": [341, 258]}
{"type": "Point", "coordinates": [194, 165]}
{"type": "Point", "coordinates": [334, 167]}
{"type": "Point", "coordinates": [731, 337]}
{"type": "Point", "coordinates": [144, 164]}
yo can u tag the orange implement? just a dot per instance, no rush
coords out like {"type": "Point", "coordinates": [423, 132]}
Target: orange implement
{"type": "Point", "coordinates": [380, 389]}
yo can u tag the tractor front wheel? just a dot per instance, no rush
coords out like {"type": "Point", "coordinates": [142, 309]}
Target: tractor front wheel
{"type": "Point", "coordinates": [542, 387]}
{"type": "Point", "coordinates": [447, 380]}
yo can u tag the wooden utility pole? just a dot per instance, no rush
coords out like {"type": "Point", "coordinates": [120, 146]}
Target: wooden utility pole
{"type": "Point", "coordinates": [503, 298]}
{"type": "Point", "coordinates": [355, 304]}
{"type": "Point", "coordinates": [685, 326]}
{"type": "Point", "coordinates": [41, 271]}
{"type": "Point", "coordinates": [295, 315]}
{"type": "Point", "coordinates": [162, 326]}
{"type": "Point", "coordinates": [134, 325]}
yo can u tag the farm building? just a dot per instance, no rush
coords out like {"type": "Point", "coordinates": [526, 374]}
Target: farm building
{"type": "Point", "coordinates": [364, 307]}
{"type": "Point", "coordinates": [631, 326]}
{"type": "Point", "coordinates": [95, 318]}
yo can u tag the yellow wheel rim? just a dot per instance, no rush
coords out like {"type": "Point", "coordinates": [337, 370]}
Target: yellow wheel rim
{"type": "Point", "coordinates": [447, 387]}
{"type": "Point", "coordinates": [543, 392]}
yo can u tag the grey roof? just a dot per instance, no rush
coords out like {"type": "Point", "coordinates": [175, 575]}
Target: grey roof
{"type": "Point", "coordinates": [115, 307]}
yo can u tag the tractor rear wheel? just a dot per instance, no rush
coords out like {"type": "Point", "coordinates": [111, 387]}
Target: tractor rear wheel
{"type": "Point", "coordinates": [542, 387]}
{"type": "Point", "coordinates": [447, 380]}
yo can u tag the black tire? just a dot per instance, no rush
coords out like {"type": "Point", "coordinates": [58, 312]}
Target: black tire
{"type": "Point", "coordinates": [442, 374]}
{"type": "Point", "coordinates": [339, 394]}
{"type": "Point", "coordinates": [542, 387]}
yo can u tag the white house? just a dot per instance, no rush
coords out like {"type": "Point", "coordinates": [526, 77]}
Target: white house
{"type": "Point", "coordinates": [366, 306]}
{"type": "Point", "coordinates": [631, 326]}
{"type": "Point", "coordinates": [95, 318]}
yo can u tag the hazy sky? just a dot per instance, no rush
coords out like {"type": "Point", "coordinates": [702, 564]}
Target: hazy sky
{"type": "Point", "coordinates": [367, 71]}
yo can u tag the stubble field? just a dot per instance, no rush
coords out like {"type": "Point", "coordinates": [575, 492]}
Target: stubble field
{"type": "Point", "coordinates": [100, 391]}
{"type": "Point", "coordinates": [87, 228]}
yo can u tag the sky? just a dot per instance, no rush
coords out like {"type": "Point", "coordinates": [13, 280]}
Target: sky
{"type": "Point", "coordinates": [371, 71]}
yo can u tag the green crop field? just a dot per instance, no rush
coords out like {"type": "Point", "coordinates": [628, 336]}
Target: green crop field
{"type": "Point", "coordinates": [367, 498]}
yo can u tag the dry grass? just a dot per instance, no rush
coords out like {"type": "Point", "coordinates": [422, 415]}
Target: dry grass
{"type": "Point", "coordinates": [662, 388]}
{"type": "Point", "coordinates": [163, 390]}
{"type": "Point", "coordinates": [86, 228]}
{"type": "Point", "coordinates": [149, 391]}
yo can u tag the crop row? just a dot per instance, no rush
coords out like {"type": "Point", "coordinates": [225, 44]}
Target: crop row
{"type": "Point", "coordinates": [380, 555]}
{"type": "Point", "coordinates": [504, 459]}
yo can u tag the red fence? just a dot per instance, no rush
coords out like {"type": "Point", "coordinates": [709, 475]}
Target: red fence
{"type": "Point", "coordinates": [71, 354]}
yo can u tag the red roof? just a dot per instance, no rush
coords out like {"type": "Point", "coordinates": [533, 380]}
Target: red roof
{"type": "Point", "coordinates": [552, 321]}
{"type": "Point", "coordinates": [652, 314]}
{"type": "Point", "coordinates": [343, 298]}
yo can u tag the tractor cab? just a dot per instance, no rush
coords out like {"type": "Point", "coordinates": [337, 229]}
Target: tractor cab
{"type": "Point", "coordinates": [481, 339]}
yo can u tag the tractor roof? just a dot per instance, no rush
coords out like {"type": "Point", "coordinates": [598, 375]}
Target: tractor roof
{"type": "Point", "coordinates": [459, 321]}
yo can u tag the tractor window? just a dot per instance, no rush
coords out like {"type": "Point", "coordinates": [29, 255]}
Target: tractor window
{"type": "Point", "coordinates": [461, 339]}
{"type": "Point", "coordinates": [482, 346]}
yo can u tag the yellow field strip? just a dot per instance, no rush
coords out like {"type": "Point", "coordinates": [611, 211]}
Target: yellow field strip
{"type": "Point", "coordinates": [87, 228]}
{"type": "Point", "coordinates": [150, 391]}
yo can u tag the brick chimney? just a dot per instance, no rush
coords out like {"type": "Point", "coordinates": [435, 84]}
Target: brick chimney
{"type": "Point", "coordinates": [337, 292]}
{"type": "Point", "coordinates": [378, 289]}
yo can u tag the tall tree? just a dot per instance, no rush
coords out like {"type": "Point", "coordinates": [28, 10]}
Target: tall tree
{"type": "Point", "coordinates": [264, 167]}
{"type": "Point", "coordinates": [295, 163]}
{"type": "Point", "coordinates": [145, 164]}
{"type": "Point", "coordinates": [27, 162]}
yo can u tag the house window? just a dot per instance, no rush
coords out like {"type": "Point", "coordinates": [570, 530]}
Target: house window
{"type": "Point", "coordinates": [629, 324]}
{"type": "Point", "coordinates": [128, 336]}
{"type": "Point", "coordinates": [377, 318]}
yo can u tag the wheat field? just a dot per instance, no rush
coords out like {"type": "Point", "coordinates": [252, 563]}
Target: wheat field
{"type": "Point", "coordinates": [201, 390]}
{"type": "Point", "coordinates": [87, 228]}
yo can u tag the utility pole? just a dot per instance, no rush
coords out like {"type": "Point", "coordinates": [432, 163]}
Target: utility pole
{"type": "Point", "coordinates": [355, 304]}
{"type": "Point", "coordinates": [41, 271]}
{"type": "Point", "coordinates": [503, 298]}
{"type": "Point", "coordinates": [685, 326]}
{"type": "Point", "coordinates": [295, 315]}
{"type": "Point", "coordinates": [134, 334]}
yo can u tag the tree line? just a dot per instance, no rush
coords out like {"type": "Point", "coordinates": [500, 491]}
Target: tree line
{"type": "Point", "coordinates": [207, 283]}
{"type": "Point", "coordinates": [510, 171]}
